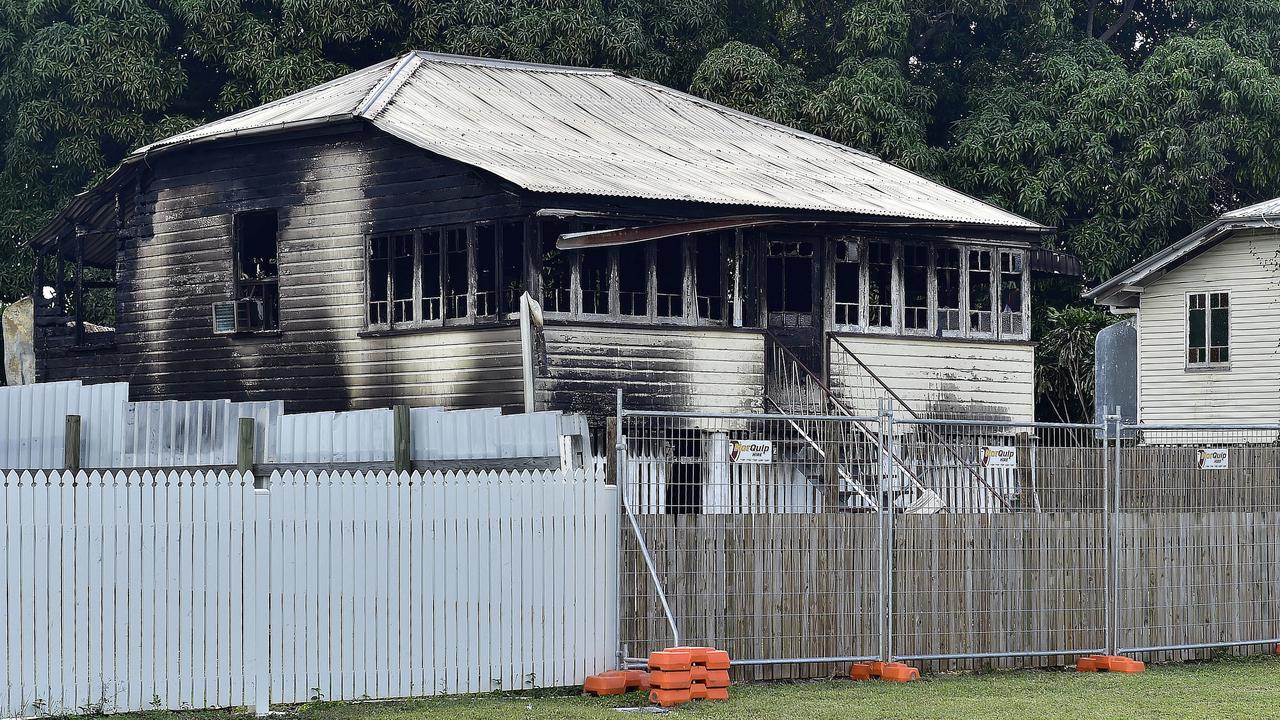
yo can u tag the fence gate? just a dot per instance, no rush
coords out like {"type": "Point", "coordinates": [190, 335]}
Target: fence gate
{"type": "Point", "coordinates": [757, 534]}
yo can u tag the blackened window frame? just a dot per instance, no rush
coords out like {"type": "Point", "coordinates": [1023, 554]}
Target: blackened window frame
{"type": "Point", "coordinates": [423, 319]}
{"type": "Point", "coordinates": [267, 287]}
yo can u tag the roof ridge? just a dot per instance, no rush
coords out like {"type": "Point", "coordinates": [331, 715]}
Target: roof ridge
{"type": "Point", "coordinates": [378, 96]}
{"type": "Point", "coordinates": [511, 64]}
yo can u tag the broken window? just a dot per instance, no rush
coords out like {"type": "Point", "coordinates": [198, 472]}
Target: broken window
{"type": "Point", "coordinates": [1208, 328]}
{"type": "Point", "coordinates": [402, 309]}
{"type": "Point", "coordinates": [848, 282]}
{"type": "Point", "coordinates": [879, 284]}
{"type": "Point", "coordinates": [709, 278]}
{"type": "Point", "coordinates": [915, 287]}
{"type": "Point", "coordinates": [980, 291]}
{"type": "Point", "coordinates": [1011, 280]}
{"type": "Point", "coordinates": [947, 274]}
{"type": "Point", "coordinates": [557, 269]}
{"type": "Point", "coordinates": [486, 262]}
{"type": "Point", "coordinates": [256, 270]}
{"type": "Point", "coordinates": [380, 280]}
{"type": "Point", "coordinates": [593, 278]}
{"type": "Point", "coordinates": [432, 268]}
{"type": "Point", "coordinates": [513, 282]}
{"type": "Point", "coordinates": [456, 283]}
{"type": "Point", "coordinates": [633, 280]}
{"type": "Point", "coordinates": [669, 271]}
{"type": "Point", "coordinates": [789, 276]}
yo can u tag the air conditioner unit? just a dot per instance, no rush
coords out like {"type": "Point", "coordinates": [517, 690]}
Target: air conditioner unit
{"type": "Point", "coordinates": [229, 316]}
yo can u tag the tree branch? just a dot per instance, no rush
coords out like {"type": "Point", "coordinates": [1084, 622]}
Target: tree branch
{"type": "Point", "coordinates": [935, 25]}
{"type": "Point", "coordinates": [1114, 27]}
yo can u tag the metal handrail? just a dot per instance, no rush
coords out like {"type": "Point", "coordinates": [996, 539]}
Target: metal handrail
{"type": "Point", "coordinates": [915, 480]}
{"type": "Point", "coordinates": [942, 441]}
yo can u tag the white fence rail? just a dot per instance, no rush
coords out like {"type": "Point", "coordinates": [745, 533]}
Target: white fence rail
{"type": "Point", "coordinates": [129, 591]}
{"type": "Point", "coordinates": [116, 433]}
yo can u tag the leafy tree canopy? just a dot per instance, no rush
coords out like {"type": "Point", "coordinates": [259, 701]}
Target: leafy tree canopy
{"type": "Point", "coordinates": [1126, 123]}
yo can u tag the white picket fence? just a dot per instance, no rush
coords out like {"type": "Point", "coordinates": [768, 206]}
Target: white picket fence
{"type": "Point", "coordinates": [127, 591]}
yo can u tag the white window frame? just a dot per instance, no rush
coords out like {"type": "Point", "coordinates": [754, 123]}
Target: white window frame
{"type": "Point", "coordinates": [1206, 366]}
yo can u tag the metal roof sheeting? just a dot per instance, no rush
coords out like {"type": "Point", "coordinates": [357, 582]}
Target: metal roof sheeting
{"type": "Point", "coordinates": [1265, 209]}
{"type": "Point", "coordinates": [596, 132]}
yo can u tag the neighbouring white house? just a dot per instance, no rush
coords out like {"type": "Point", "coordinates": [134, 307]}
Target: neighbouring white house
{"type": "Point", "coordinates": [1204, 331]}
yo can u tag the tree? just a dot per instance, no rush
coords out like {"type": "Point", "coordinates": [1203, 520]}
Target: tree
{"type": "Point", "coordinates": [1126, 123]}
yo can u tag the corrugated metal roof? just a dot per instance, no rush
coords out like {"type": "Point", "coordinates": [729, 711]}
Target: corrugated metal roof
{"type": "Point", "coordinates": [1265, 209]}
{"type": "Point", "coordinates": [597, 132]}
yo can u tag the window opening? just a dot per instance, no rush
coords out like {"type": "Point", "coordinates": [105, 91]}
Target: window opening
{"type": "Point", "coordinates": [709, 278]}
{"type": "Point", "coordinates": [669, 271]}
{"type": "Point", "coordinates": [848, 282]}
{"type": "Point", "coordinates": [879, 284]}
{"type": "Point", "coordinates": [980, 291]}
{"type": "Point", "coordinates": [915, 287]}
{"type": "Point", "coordinates": [257, 272]}
{"type": "Point", "coordinates": [1011, 322]}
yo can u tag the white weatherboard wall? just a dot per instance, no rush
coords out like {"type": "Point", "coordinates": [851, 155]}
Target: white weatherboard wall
{"type": "Point", "coordinates": [1247, 392]}
{"type": "Point", "coordinates": [130, 592]}
{"type": "Point", "coordinates": [938, 377]}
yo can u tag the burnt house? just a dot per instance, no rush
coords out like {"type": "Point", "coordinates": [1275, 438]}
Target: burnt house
{"type": "Point", "coordinates": [369, 241]}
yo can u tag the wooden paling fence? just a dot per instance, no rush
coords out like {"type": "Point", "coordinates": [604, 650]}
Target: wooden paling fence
{"type": "Point", "coordinates": [175, 590]}
{"type": "Point", "coordinates": [1081, 545]}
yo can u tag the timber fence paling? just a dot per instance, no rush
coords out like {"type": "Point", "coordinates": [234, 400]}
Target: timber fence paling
{"type": "Point", "coordinates": [126, 591]}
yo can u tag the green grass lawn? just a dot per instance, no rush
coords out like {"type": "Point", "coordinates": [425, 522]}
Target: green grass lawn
{"type": "Point", "coordinates": [1229, 688]}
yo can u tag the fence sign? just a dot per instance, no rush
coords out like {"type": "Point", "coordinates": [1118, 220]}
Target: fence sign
{"type": "Point", "coordinates": [751, 452]}
{"type": "Point", "coordinates": [1211, 459]}
{"type": "Point", "coordinates": [998, 456]}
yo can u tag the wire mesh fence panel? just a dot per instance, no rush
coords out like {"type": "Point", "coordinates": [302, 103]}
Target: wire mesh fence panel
{"type": "Point", "coordinates": [1012, 560]}
{"type": "Point", "coordinates": [1198, 539]}
{"type": "Point", "coordinates": [759, 532]}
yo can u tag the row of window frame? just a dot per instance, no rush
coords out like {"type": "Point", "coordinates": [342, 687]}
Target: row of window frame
{"type": "Point", "coordinates": [898, 306]}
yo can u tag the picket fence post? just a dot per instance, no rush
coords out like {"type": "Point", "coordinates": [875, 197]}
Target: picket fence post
{"type": "Point", "coordinates": [258, 664]}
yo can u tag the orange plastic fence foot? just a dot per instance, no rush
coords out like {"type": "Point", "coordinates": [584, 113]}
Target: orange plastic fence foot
{"type": "Point", "coordinates": [898, 672]}
{"type": "Point", "coordinates": [609, 683]}
{"type": "Point", "coordinates": [637, 680]}
{"type": "Point", "coordinates": [721, 693]}
{"type": "Point", "coordinates": [860, 671]}
{"type": "Point", "coordinates": [669, 698]}
{"type": "Point", "coordinates": [1110, 663]}
{"type": "Point", "coordinates": [697, 691]}
{"type": "Point", "coordinates": [891, 672]}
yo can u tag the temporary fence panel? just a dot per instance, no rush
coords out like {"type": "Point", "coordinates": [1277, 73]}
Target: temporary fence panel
{"type": "Point", "coordinates": [134, 591]}
{"type": "Point", "coordinates": [1198, 539]}
{"type": "Point", "coordinates": [740, 525]}
{"type": "Point", "coordinates": [1016, 563]}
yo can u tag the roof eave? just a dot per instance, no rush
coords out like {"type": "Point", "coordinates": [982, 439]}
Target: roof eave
{"type": "Point", "coordinates": [1121, 290]}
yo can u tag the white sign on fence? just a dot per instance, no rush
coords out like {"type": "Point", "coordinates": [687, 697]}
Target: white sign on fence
{"type": "Point", "coordinates": [998, 456]}
{"type": "Point", "coordinates": [751, 452]}
{"type": "Point", "coordinates": [1211, 459]}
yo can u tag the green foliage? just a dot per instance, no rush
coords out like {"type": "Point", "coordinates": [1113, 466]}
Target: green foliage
{"type": "Point", "coordinates": [1064, 361]}
{"type": "Point", "coordinates": [1124, 122]}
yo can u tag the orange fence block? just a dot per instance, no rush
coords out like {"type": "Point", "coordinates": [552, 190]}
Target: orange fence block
{"type": "Point", "coordinates": [718, 693]}
{"type": "Point", "coordinates": [717, 660]}
{"type": "Point", "coordinates": [669, 660]}
{"type": "Point", "coordinates": [697, 691]}
{"type": "Point", "coordinates": [697, 655]}
{"type": "Point", "coordinates": [717, 679]}
{"type": "Point", "coordinates": [669, 698]}
{"type": "Point", "coordinates": [1110, 663]}
{"type": "Point", "coordinates": [891, 672]}
{"type": "Point", "coordinates": [670, 679]}
{"type": "Point", "coordinates": [637, 679]}
{"type": "Point", "coordinates": [609, 683]}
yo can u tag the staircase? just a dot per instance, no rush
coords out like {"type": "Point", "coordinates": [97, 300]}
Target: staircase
{"type": "Point", "coordinates": [942, 462]}
{"type": "Point", "coordinates": [850, 450]}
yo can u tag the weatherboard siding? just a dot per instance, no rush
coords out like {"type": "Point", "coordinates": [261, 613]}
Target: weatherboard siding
{"type": "Point", "coordinates": [938, 378]}
{"type": "Point", "coordinates": [687, 369]}
{"type": "Point", "coordinates": [1247, 391]}
{"type": "Point", "coordinates": [332, 192]}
